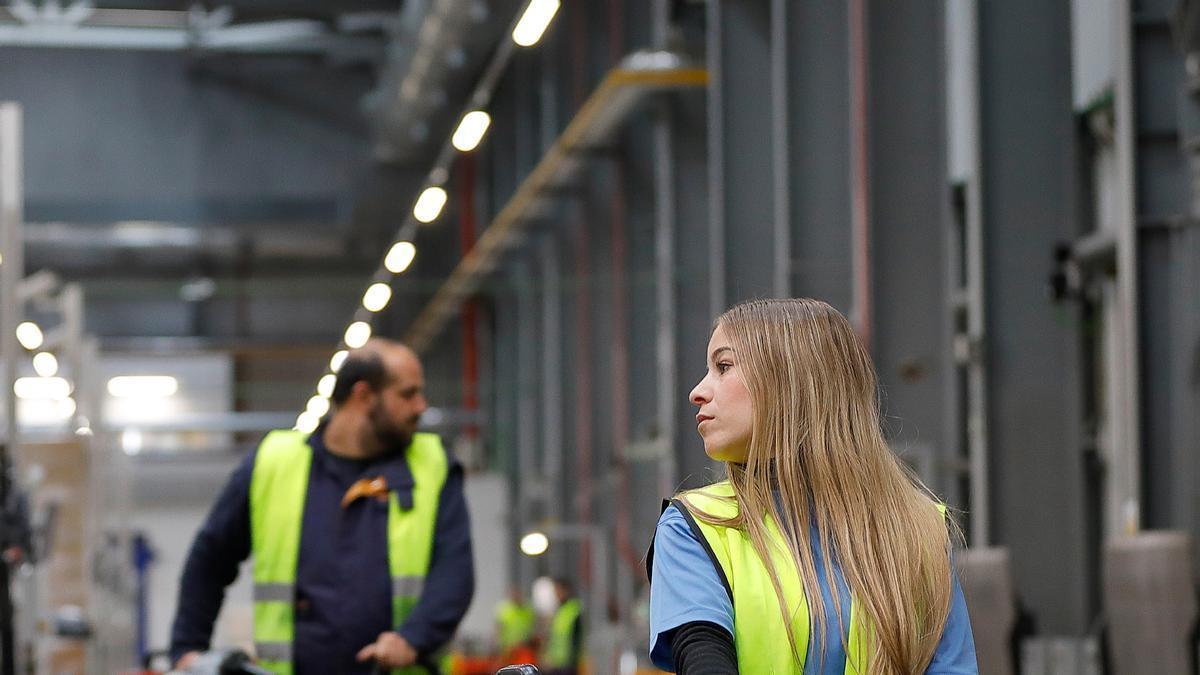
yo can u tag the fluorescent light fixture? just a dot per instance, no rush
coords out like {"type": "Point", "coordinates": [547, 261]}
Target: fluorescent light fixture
{"type": "Point", "coordinates": [339, 357]}
{"type": "Point", "coordinates": [45, 388]}
{"type": "Point", "coordinates": [534, 21]}
{"type": "Point", "coordinates": [357, 334]}
{"type": "Point", "coordinates": [307, 422]}
{"type": "Point", "coordinates": [471, 130]}
{"type": "Point", "coordinates": [45, 412]}
{"type": "Point", "coordinates": [534, 543]}
{"type": "Point", "coordinates": [143, 386]}
{"type": "Point", "coordinates": [429, 204]}
{"type": "Point", "coordinates": [326, 384]}
{"type": "Point", "coordinates": [377, 297]}
{"type": "Point", "coordinates": [400, 257]}
{"type": "Point", "coordinates": [45, 364]}
{"type": "Point", "coordinates": [29, 335]}
{"type": "Point", "coordinates": [317, 406]}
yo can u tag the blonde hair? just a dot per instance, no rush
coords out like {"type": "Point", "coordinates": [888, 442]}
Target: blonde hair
{"type": "Point", "coordinates": [817, 439]}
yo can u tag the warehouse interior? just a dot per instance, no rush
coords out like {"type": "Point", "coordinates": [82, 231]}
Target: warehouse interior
{"type": "Point", "coordinates": [203, 205]}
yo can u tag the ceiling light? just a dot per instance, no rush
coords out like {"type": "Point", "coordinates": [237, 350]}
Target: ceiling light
{"type": "Point", "coordinates": [52, 388]}
{"type": "Point", "coordinates": [534, 543]}
{"type": "Point", "coordinates": [471, 130]}
{"type": "Point", "coordinates": [317, 406]}
{"type": "Point", "coordinates": [29, 335]}
{"type": "Point", "coordinates": [325, 386]}
{"type": "Point", "coordinates": [400, 257]}
{"type": "Point", "coordinates": [339, 357]}
{"type": "Point", "coordinates": [307, 423]}
{"type": "Point", "coordinates": [143, 386]}
{"type": "Point", "coordinates": [377, 297]}
{"type": "Point", "coordinates": [357, 334]}
{"type": "Point", "coordinates": [534, 21]}
{"type": "Point", "coordinates": [45, 364]}
{"type": "Point", "coordinates": [429, 204]}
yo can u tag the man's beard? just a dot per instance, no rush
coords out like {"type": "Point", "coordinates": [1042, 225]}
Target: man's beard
{"type": "Point", "coordinates": [391, 437]}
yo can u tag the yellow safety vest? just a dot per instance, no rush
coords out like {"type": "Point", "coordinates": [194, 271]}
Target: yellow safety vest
{"type": "Point", "coordinates": [759, 633]}
{"type": "Point", "coordinates": [516, 623]}
{"type": "Point", "coordinates": [278, 489]}
{"type": "Point", "coordinates": [560, 646]}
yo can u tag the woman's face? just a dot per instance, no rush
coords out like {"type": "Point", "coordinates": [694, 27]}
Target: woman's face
{"type": "Point", "coordinates": [725, 416]}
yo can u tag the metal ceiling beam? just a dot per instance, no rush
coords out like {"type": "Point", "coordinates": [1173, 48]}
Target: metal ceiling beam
{"type": "Point", "coordinates": [80, 25]}
{"type": "Point", "coordinates": [292, 241]}
{"type": "Point", "coordinates": [639, 76]}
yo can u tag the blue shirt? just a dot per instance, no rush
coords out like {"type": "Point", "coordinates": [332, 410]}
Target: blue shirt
{"type": "Point", "coordinates": [343, 584]}
{"type": "Point", "coordinates": [687, 588]}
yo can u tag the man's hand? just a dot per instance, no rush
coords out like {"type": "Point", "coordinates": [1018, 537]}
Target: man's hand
{"type": "Point", "coordinates": [187, 660]}
{"type": "Point", "coordinates": [389, 651]}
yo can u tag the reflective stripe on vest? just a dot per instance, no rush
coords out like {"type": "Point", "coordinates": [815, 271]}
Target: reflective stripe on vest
{"type": "Point", "coordinates": [560, 646]}
{"type": "Point", "coordinates": [278, 489]}
{"type": "Point", "coordinates": [760, 636]}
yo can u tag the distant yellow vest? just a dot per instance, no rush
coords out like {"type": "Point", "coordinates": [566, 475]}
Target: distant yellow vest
{"type": "Point", "coordinates": [516, 624]}
{"type": "Point", "coordinates": [278, 489]}
{"type": "Point", "coordinates": [560, 645]}
{"type": "Point", "coordinates": [759, 633]}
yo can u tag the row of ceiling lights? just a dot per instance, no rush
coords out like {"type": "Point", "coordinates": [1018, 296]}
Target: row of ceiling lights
{"type": "Point", "coordinates": [48, 389]}
{"type": "Point", "coordinates": [470, 132]}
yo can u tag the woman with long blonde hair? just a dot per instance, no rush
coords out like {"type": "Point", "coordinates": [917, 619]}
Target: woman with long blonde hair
{"type": "Point", "coordinates": [821, 552]}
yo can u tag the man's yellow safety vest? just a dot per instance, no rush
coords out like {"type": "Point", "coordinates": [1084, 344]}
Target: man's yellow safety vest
{"type": "Point", "coordinates": [560, 645]}
{"type": "Point", "coordinates": [278, 489]}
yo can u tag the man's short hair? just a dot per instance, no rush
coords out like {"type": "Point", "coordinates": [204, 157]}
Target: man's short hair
{"type": "Point", "coordinates": [359, 367]}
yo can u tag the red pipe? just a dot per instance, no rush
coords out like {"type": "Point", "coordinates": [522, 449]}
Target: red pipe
{"type": "Point", "coordinates": [470, 311]}
{"type": "Point", "coordinates": [860, 182]}
{"type": "Point", "coordinates": [620, 310]}
{"type": "Point", "coordinates": [583, 326]}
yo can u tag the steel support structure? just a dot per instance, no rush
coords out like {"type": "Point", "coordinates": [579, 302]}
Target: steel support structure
{"type": "Point", "coordinates": [11, 273]}
{"type": "Point", "coordinates": [907, 208]}
{"type": "Point", "coordinates": [1028, 186]}
{"type": "Point", "coordinates": [1161, 242]}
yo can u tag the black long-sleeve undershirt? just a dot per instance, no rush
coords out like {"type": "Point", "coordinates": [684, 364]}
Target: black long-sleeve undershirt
{"type": "Point", "coordinates": [703, 648]}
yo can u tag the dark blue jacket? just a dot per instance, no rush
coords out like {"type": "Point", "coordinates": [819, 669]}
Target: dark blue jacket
{"type": "Point", "coordinates": [343, 586]}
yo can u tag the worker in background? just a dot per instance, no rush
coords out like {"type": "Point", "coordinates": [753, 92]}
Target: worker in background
{"type": "Point", "coordinates": [821, 552]}
{"type": "Point", "coordinates": [515, 624]}
{"type": "Point", "coordinates": [359, 531]}
{"type": "Point", "coordinates": [563, 648]}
